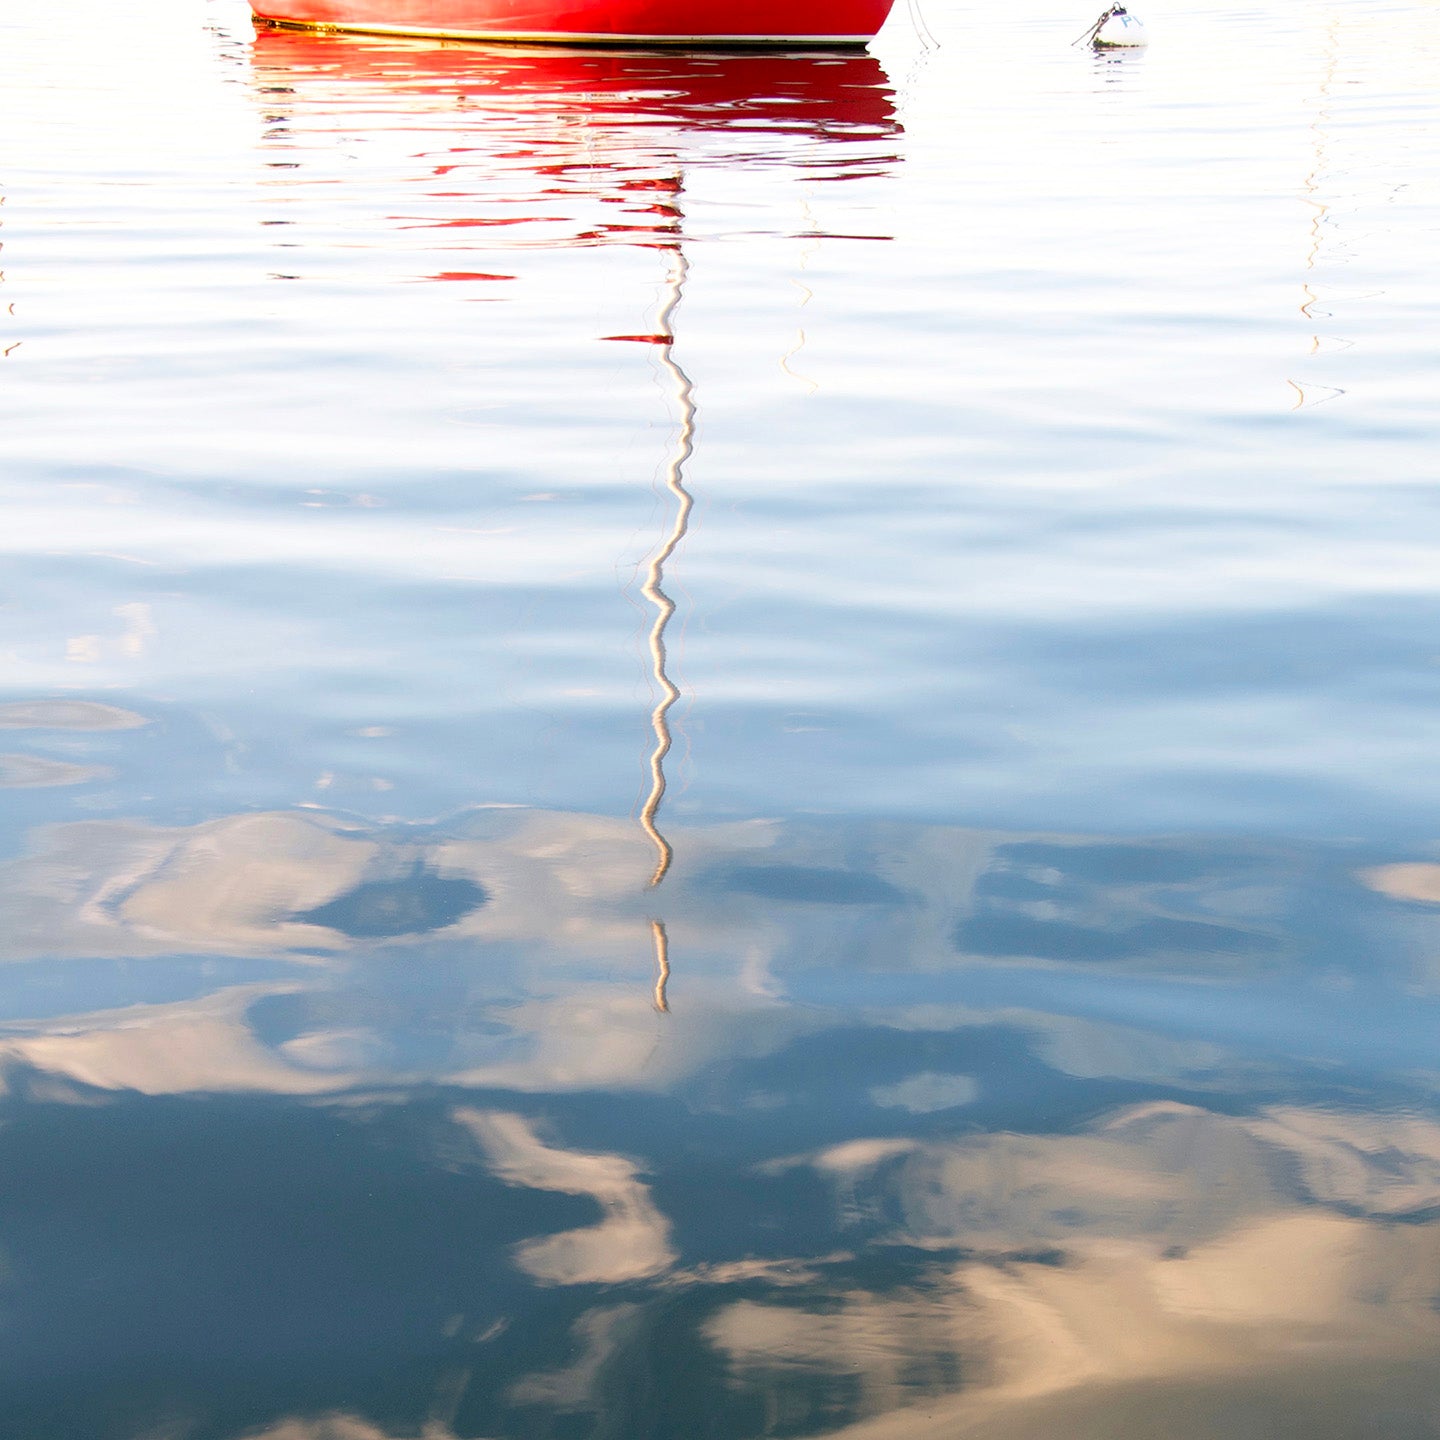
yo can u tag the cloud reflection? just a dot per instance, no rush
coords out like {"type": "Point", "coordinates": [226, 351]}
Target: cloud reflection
{"type": "Point", "coordinates": [343, 1427]}
{"type": "Point", "coordinates": [1163, 1246]}
{"type": "Point", "coordinates": [202, 1046]}
{"type": "Point", "coordinates": [67, 715]}
{"type": "Point", "coordinates": [631, 1242]}
{"type": "Point", "coordinates": [34, 772]}
{"type": "Point", "coordinates": [865, 1182]}
{"type": "Point", "coordinates": [544, 923]}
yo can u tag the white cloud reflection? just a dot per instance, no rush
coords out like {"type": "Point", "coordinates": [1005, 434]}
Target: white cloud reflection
{"type": "Point", "coordinates": [632, 1240]}
{"type": "Point", "coordinates": [556, 921]}
{"type": "Point", "coordinates": [346, 1427]}
{"type": "Point", "coordinates": [33, 772]}
{"type": "Point", "coordinates": [598, 1334]}
{"type": "Point", "coordinates": [926, 1092]}
{"type": "Point", "coordinates": [1150, 1264]}
{"type": "Point", "coordinates": [194, 1046]}
{"type": "Point", "coordinates": [1136, 1277]}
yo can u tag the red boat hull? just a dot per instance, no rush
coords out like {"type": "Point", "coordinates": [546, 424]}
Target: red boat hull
{"type": "Point", "coordinates": [595, 22]}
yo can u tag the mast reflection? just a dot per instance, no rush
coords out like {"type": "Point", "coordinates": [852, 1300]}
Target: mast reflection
{"type": "Point", "coordinates": [662, 965]}
{"type": "Point", "coordinates": [652, 591]}
{"type": "Point", "coordinates": [508, 151]}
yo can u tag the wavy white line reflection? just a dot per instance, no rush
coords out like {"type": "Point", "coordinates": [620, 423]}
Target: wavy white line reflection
{"type": "Point", "coordinates": [652, 588]}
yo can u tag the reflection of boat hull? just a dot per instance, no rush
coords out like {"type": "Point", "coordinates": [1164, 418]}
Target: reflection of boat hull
{"type": "Point", "coordinates": [513, 95]}
{"type": "Point", "coordinates": [601, 22]}
{"type": "Point", "coordinates": [531, 104]}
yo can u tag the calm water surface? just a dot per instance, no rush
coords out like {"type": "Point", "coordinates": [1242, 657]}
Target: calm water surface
{"type": "Point", "coordinates": [721, 746]}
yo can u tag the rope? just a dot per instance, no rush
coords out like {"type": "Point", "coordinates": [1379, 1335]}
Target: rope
{"type": "Point", "coordinates": [926, 35]}
{"type": "Point", "coordinates": [1089, 36]}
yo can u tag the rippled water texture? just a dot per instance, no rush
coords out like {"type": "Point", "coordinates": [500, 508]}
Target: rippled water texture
{"type": "Point", "coordinates": [700, 747]}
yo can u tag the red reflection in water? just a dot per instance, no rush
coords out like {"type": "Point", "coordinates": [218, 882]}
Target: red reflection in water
{"type": "Point", "coordinates": [526, 144]}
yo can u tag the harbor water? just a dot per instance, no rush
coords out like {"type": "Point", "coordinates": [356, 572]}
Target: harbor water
{"type": "Point", "coordinates": [702, 746]}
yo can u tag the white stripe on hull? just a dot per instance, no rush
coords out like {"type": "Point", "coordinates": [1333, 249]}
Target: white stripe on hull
{"type": "Point", "coordinates": [569, 37]}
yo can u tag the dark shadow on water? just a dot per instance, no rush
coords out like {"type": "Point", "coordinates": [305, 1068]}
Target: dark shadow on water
{"type": "Point", "coordinates": [804, 884]}
{"type": "Point", "coordinates": [413, 904]}
{"type": "Point", "coordinates": [1151, 939]}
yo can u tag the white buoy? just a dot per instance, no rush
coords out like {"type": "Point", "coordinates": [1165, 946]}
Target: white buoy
{"type": "Point", "coordinates": [1115, 28]}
